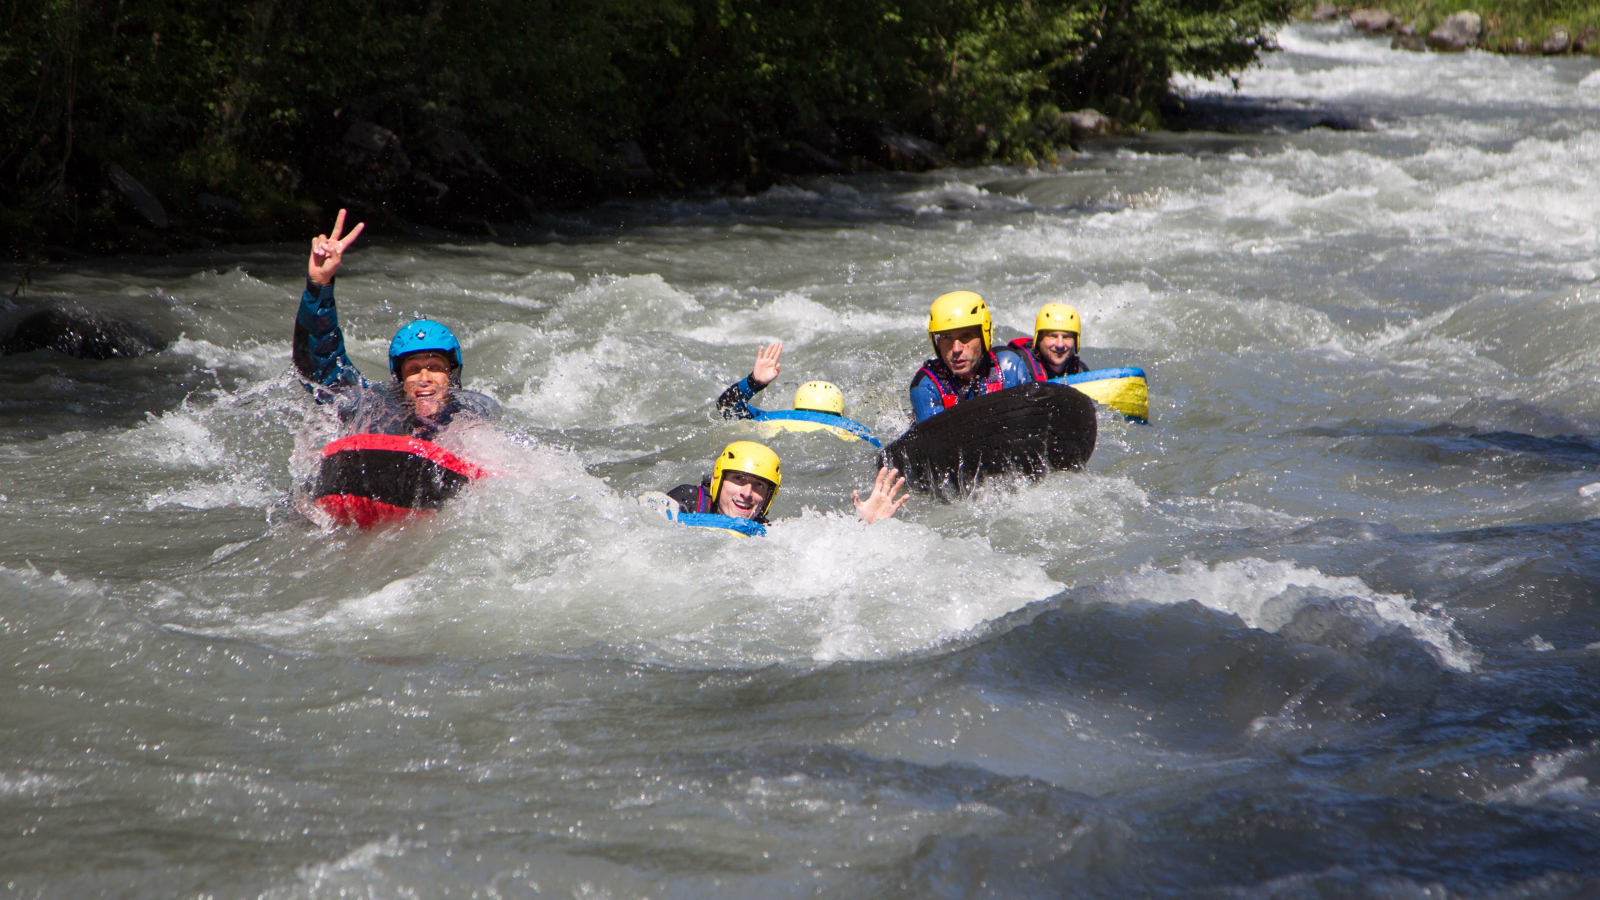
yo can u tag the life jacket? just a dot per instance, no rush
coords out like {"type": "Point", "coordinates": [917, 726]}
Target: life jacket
{"type": "Point", "coordinates": [697, 499]}
{"type": "Point", "coordinates": [944, 382]}
{"type": "Point", "coordinates": [1024, 348]}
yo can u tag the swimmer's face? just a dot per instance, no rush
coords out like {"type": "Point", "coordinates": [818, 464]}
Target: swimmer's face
{"type": "Point", "coordinates": [425, 381]}
{"type": "Point", "coordinates": [960, 349]}
{"type": "Point", "coordinates": [743, 495]}
{"type": "Point", "coordinates": [1056, 346]}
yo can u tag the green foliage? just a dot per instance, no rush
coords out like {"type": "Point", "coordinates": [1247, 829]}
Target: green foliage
{"type": "Point", "coordinates": [227, 98]}
{"type": "Point", "coordinates": [1505, 22]}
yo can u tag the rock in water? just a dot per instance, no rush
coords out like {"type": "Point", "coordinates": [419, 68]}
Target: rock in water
{"type": "Point", "coordinates": [75, 331]}
{"type": "Point", "coordinates": [1456, 33]}
{"type": "Point", "coordinates": [1374, 20]}
{"type": "Point", "coordinates": [1558, 42]}
{"type": "Point", "coordinates": [1087, 123]}
{"type": "Point", "coordinates": [139, 197]}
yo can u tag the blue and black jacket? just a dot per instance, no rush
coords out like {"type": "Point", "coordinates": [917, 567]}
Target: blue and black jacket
{"type": "Point", "coordinates": [325, 367]}
{"type": "Point", "coordinates": [735, 401]}
{"type": "Point", "coordinates": [1042, 370]}
{"type": "Point", "coordinates": [935, 388]}
{"type": "Point", "coordinates": [697, 499]}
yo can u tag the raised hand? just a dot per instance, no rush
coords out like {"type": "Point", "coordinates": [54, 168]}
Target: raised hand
{"type": "Point", "coordinates": [881, 504]}
{"type": "Point", "coordinates": [327, 251]}
{"type": "Point", "coordinates": [767, 368]}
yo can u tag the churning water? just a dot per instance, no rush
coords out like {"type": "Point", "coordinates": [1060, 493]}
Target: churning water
{"type": "Point", "coordinates": [1329, 627]}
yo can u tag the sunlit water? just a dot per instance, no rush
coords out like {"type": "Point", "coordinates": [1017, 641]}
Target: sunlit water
{"type": "Point", "coordinates": [1327, 628]}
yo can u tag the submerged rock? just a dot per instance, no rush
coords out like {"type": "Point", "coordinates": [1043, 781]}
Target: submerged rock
{"type": "Point", "coordinates": [1458, 32]}
{"type": "Point", "coordinates": [1407, 42]}
{"type": "Point", "coordinates": [77, 332]}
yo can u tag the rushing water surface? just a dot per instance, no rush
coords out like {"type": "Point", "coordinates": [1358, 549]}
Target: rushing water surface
{"type": "Point", "coordinates": [1329, 627]}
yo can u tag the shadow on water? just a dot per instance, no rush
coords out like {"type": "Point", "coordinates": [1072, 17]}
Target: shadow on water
{"type": "Point", "coordinates": [44, 393]}
{"type": "Point", "coordinates": [1259, 115]}
{"type": "Point", "coordinates": [1449, 444]}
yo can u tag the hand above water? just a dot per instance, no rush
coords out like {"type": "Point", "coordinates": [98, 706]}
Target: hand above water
{"type": "Point", "coordinates": [881, 504]}
{"type": "Point", "coordinates": [767, 368]}
{"type": "Point", "coordinates": [327, 251]}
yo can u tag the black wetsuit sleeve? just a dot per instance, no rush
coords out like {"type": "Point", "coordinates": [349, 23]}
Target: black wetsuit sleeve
{"type": "Point", "coordinates": [688, 497]}
{"type": "Point", "coordinates": [735, 401]}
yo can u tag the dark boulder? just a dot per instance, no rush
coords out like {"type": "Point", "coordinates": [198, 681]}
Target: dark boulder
{"type": "Point", "coordinates": [366, 163]}
{"type": "Point", "coordinates": [797, 157]}
{"type": "Point", "coordinates": [138, 197]}
{"type": "Point", "coordinates": [451, 183]}
{"type": "Point", "coordinates": [1585, 39]}
{"type": "Point", "coordinates": [218, 210]}
{"type": "Point", "coordinates": [75, 331]}
{"type": "Point", "coordinates": [898, 150]}
{"type": "Point", "coordinates": [635, 162]}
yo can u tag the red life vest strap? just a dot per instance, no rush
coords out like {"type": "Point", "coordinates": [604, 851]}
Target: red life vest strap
{"type": "Point", "coordinates": [939, 374]}
{"type": "Point", "coordinates": [1024, 348]}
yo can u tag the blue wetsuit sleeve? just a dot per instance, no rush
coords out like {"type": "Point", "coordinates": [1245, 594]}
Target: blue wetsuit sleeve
{"type": "Point", "coordinates": [1013, 369]}
{"type": "Point", "coordinates": [735, 401]}
{"type": "Point", "coordinates": [319, 354]}
{"type": "Point", "coordinates": [925, 400]}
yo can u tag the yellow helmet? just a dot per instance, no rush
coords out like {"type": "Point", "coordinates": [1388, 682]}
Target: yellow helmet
{"type": "Point", "coordinates": [820, 396]}
{"type": "Point", "coordinates": [751, 458]}
{"type": "Point", "coordinates": [959, 309]}
{"type": "Point", "coordinates": [1058, 317]}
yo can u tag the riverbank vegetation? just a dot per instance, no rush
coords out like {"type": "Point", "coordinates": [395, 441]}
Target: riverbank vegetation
{"type": "Point", "coordinates": [1508, 26]}
{"type": "Point", "coordinates": [143, 124]}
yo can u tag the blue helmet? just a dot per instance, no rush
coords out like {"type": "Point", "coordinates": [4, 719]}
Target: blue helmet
{"type": "Point", "coordinates": [421, 335]}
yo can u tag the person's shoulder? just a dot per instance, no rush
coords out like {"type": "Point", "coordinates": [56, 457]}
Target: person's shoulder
{"type": "Point", "coordinates": [481, 405]}
{"type": "Point", "coordinates": [687, 495]}
{"type": "Point", "coordinates": [1012, 366]}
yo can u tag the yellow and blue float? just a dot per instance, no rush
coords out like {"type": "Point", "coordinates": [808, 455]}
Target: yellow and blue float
{"type": "Point", "coordinates": [657, 501]}
{"type": "Point", "coordinates": [844, 429]}
{"type": "Point", "coordinates": [1123, 389]}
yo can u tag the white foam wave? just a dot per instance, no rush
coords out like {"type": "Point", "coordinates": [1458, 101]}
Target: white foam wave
{"type": "Point", "coordinates": [1268, 595]}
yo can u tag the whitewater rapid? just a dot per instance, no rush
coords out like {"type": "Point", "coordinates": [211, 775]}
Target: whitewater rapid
{"type": "Point", "coordinates": [1325, 627]}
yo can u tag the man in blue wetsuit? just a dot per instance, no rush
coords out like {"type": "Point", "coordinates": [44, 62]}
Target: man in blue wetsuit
{"type": "Point", "coordinates": [813, 396]}
{"type": "Point", "coordinates": [746, 477]}
{"type": "Point", "coordinates": [964, 368]}
{"type": "Point", "coordinates": [1052, 352]}
{"type": "Point", "coordinates": [424, 359]}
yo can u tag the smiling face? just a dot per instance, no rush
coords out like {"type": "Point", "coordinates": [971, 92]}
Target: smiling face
{"type": "Point", "coordinates": [1057, 346]}
{"type": "Point", "coordinates": [743, 495]}
{"type": "Point", "coordinates": [960, 349]}
{"type": "Point", "coordinates": [425, 382]}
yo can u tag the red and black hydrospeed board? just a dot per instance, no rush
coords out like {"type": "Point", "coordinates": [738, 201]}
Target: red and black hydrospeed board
{"type": "Point", "coordinates": [369, 479]}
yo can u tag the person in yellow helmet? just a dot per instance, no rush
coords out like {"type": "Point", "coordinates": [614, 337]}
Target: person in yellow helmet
{"type": "Point", "coordinates": [964, 367]}
{"type": "Point", "coordinates": [1052, 352]}
{"type": "Point", "coordinates": [821, 397]}
{"type": "Point", "coordinates": [745, 479]}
